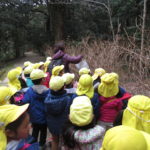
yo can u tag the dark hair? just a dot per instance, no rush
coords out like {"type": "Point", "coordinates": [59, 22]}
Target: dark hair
{"type": "Point", "coordinates": [69, 85]}
{"type": "Point", "coordinates": [13, 126]}
{"type": "Point", "coordinates": [118, 119]}
{"type": "Point", "coordinates": [37, 82]}
{"type": "Point", "coordinates": [59, 46]}
{"type": "Point", "coordinates": [27, 75]}
{"type": "Point", "coordinates": [69, 131]}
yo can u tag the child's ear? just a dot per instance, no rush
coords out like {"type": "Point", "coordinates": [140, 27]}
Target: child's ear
{"type": "Point", "coordinates": [10, 134]}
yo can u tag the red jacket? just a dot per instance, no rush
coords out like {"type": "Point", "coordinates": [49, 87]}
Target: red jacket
{"type": "Point", "coordinates": [110, 107]}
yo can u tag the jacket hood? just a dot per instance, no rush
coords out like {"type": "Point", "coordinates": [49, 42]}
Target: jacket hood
{"type": "Point", "coordinates": [39, 93]}
{"type": "Point", "coordinates": [58, 55]}
{"type": "Point", "coordinates": [87, 136]}
{"type": "Point", "coordinates": [39, 89]}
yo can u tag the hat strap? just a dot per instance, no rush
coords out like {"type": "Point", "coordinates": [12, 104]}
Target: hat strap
{"type": "Point", "coordinates": [137, 115]}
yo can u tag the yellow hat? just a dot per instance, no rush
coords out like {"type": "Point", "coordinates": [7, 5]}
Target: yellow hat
{"type": "Point", "coordinates": [125, 138]}
{"type": "Point", "coordinates": [137, 113]}
{"type": "Point", "coordinates": [37, 74]}
{"type": "Point", "coordinates": [68, 78]}
{"type": "Point", "coordinates": [28, 70]}
{"type": "Point", "coordinates": [27, 63]}
{"type": "Point", "coordinates": [85, 86]}
{"type": "Point", "coordinates": [36, 65]}
{"type": "Point", "coordinates": [98, 73]}
{"type": "Point", "coordinates": [81, 111]}
{"type": "Point", "coordinates": [48, 58]}
{"type": "Point", "coordinates": [14, 83]}
{"type": "Point", "coordinates": [41, 63]}
{"type": "Point", "coordinates": [56, 70]}
{"type": "Point", "coordinates": [5, 94]}
{"type": "Point", "coordinates": [84, 71]}
{"type": "Point", "coordinates": [109, 85]}
{"type": "Point", "coordinates": [46, 64]}
{"type": "Point", "coordinates": [13, 74]}
{"type": "Point", "coordinates": [56, 83]}
{"type": "Point", "coordinates": [8, 114]}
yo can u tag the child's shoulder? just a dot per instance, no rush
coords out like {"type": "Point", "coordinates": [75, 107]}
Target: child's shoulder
{"type": "Point", "coordinates": [86, 136]}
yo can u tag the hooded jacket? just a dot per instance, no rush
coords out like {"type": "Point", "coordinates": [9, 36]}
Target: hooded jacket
{"type": "Point", "coordinates": [57, 106]}
{"type": "Point", "coordinates": [35, 96]}
{"type": "Point", "coordinates": [67, 59]}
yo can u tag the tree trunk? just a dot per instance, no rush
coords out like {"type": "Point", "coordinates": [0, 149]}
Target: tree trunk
{"type": "Point", "coordinates": [56, 13]}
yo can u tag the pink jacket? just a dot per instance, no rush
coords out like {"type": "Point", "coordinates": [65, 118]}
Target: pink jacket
{"type": "Point", "coordinates": [110, 107]}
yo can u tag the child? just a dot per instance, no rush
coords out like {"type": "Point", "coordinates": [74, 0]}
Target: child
{"type": "Point", "coordinates": [57, 105]}
{"type": "Point", "coordinates": [14, 128]}
{"type": "Point", "coordinates": [47, 79]}
{"type": "Point", "coordinates": [97, 78]}
{"type": "Point", "coordinates": [137, 113]}
{"type": "Point", "coordinates": [14, 83]}
{"type": "Point", "coordinates": [82, 133]}
{"type": "Point", "coordinates": [69, 82]}
{"type": "Point", "coordinates": [125, 138]}
{"type": "Point", "coordinates": [5, 94]}
{"type": "Point", "coordinates": [35, 96]}
{"type": "Point", "coordinates": [85, 87]}
{"type": "Point", "coordinates": [84, 71]}
{"type": "Point", "coordinates": [57, 71]}
{"type": "Point", "coordinates": [110, 103]}
{"type": "Point", "coordinates": [27, 72]}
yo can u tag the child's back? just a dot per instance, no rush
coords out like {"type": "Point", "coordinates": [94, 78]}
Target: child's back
{"type": "Point", "coordinates": [35, 96]}
{"type": "Point", "coordinates": [82, 133]}
{"type": "Point", "coordinates": [57, 108]}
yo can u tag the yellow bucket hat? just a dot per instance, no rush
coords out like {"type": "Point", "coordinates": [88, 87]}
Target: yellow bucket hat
{"type": "Point", "coordinates": [137, 113]}
{"type": "Point", "coordinates": [56, 70]}
{"type": "Point", "coordinates": [84, 71]}
{"type": "Point", "coordinates": [8, 114]}
{"type": "Point", "coordinates": [13, 82]}
{"type": "Point", "coordinates": [85, 86]}
{"type": "Point", "coordinates": [37, 74]}
{"type": "Point", "coordinates": [125, 138]}
{"type": "Point", "coordinates": [5, 94]}
{"type": "Point", "coordinates": [98, 73]}
{"type": "Point", "coordinates": [27, 63]}
{"type": "Point", "coordinates": [109, 85]}
{"type": "Point", "coordinates": [81, 111]}
{"type": "Point", "coordinates": [56, 83]}
{"type": "Point", "coordinates": [46, 64]}
{"type": "Point", "coordinates": [68, 78]}
{"type": "Point", "coordinates": [28, 70]}
{"type": "Point", "coordinates": [14, 74]}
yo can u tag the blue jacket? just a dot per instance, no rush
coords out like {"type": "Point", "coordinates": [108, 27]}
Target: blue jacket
{"type": "Point", "coordinates": [34, 146]}
{"type": "Point", "coordinates": [57, 110]}
{"type": "Point", "coordinates": [36, 107]}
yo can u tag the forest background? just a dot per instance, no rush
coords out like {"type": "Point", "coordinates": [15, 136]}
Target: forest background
{"type": "Point", "coordinates": [112, 34]}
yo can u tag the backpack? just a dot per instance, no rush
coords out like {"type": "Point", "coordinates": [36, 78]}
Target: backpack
{"type": "Point", "coordinates": [55, 62]}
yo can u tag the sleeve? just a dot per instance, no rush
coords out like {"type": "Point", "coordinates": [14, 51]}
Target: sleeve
{"type": "Point", "coordinates": [96, 105]}
{"type": "Point", "coordinates": [26, 98]}
{"type": "Point", "coordinates": [73, 59]}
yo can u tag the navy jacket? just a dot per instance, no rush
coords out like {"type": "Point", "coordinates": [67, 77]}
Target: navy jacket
{"type": "Point", "coordinates": [57, 106]}
{"type": "Point", "coordinates": [36, 107]}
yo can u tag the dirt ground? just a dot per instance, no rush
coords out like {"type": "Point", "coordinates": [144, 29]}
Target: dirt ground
{"type": "Point", "coordinates": [29, 56]}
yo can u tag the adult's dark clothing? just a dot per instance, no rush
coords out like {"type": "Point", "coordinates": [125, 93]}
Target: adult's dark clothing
{"type": "Point", "coordinates": [67, 59]}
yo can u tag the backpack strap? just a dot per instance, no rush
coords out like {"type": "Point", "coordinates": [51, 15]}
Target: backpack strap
{"type": "Point", "coordinates": [25, 146]}
{"type": "Point", "coordinates": [125, 96]}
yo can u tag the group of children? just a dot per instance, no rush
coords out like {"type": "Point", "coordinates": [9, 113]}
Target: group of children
{"type": "Point", "coordinates": [77, 112]}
